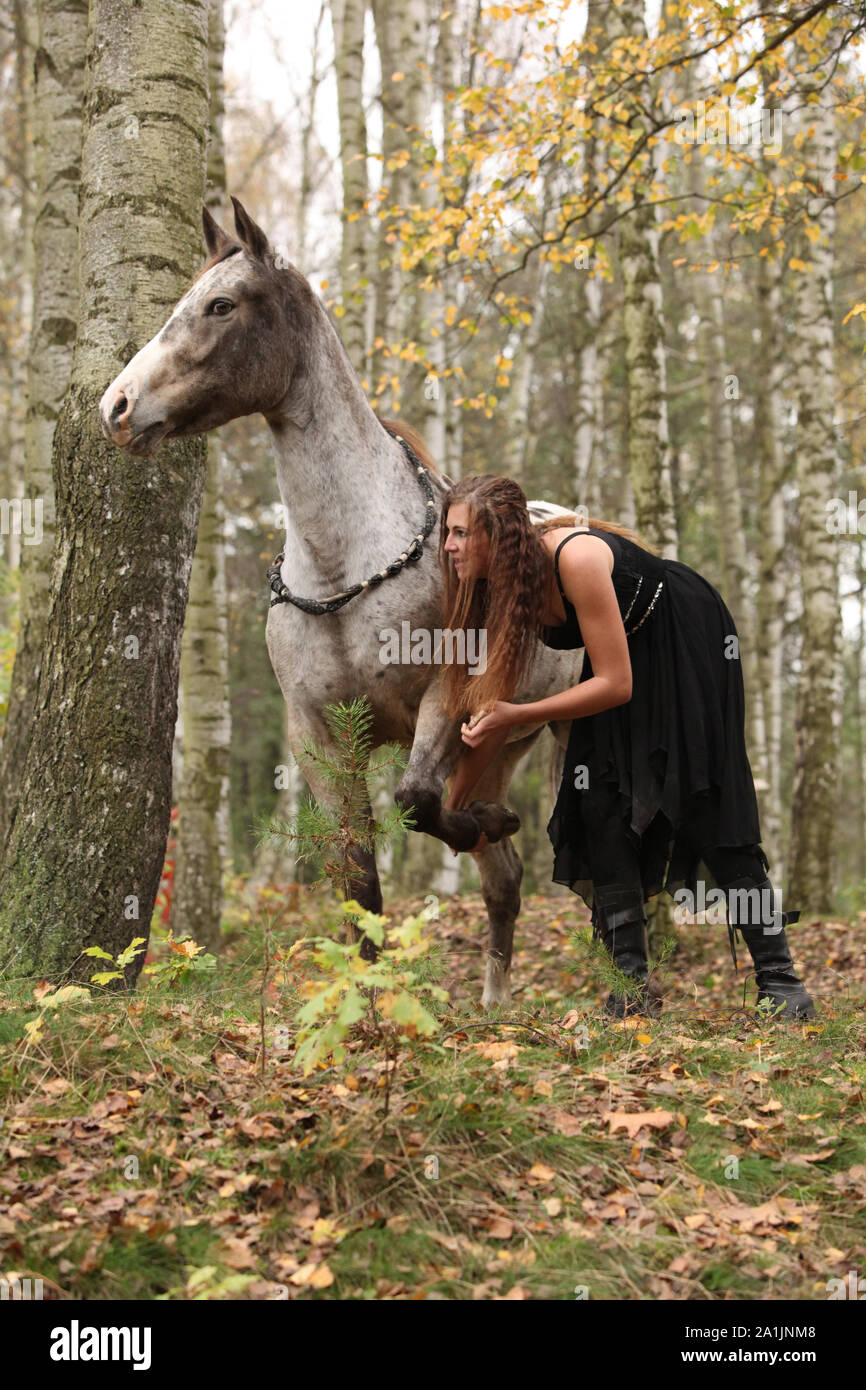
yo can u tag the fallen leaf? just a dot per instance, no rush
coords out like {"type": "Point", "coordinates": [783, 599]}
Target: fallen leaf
{"type": "Point", "coordinates": [57, 1086]}
{"type": "Point", "coordinates": [649, 1119]}
{"type": "Point", "coordinates": [313, 1276]}
{"type": "Point", "coordinates": [497, 1051]}
{"type": "Point", "coordinates": [566, 1124]}
{"type": "Point", "coordinates": [540, 1173]}
{"type": "Point", "coordinates": [237, 1254]}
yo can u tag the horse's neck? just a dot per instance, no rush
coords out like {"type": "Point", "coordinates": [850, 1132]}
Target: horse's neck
{"type": "Point", "coordinates": [350, 497]}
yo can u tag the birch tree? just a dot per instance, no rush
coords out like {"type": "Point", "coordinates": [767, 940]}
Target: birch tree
{"type": "Point", "coordinates": [817, 725]}
{"type": "Point", "coordinates": [773, 559]}
{"type": "Point", "coordinates": [643, 322]}
{"type": "Point", "coordinates": [85, 849]}
{"type": "Point", "coordinates": [348, 22]}
{"type": "Point", "coordinates": [16, 221]}
{"type": "Point", "coordinates": [60, 43]}
{"type": "Point", "coordinates": [202, 837]}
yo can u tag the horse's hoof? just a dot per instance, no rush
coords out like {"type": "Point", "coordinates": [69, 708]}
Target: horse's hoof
{"type": "Point", "coordinates": [496, 821]}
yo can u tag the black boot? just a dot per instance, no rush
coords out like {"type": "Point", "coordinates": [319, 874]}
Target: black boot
{"type": "Point", "coordinates": [619, 922]}
{"type": "Point", "coordinates": [763, 930]}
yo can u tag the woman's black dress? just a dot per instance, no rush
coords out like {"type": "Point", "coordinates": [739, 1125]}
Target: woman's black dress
{"type": "Point", "coordinates": [674, 757]}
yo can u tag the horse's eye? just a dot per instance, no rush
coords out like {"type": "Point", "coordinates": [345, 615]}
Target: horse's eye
{"type": "Point", "coordinates": [221, 307]}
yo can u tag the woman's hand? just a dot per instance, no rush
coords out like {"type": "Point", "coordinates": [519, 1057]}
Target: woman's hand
{"type": "Point", "coordinates": [500, 715]}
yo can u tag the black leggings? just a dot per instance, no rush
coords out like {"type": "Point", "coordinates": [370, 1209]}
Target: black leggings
{"type": "Point", "coordinates": [614, 858]}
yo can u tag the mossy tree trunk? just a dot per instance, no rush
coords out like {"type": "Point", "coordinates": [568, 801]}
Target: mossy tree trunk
{"type": "Point", "coordinates": [57, 106]}
{"type": "Point", "coordinates": [88, 832]}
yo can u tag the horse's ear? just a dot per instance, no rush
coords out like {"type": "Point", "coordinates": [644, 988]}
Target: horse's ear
{"type": "Point", "coordinates": [249, 233]}
{"type": "Point", "coordinates": [214, 236]}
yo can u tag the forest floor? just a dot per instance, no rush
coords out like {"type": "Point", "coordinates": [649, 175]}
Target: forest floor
{"type": "Point", "coordinates": [150, 1148]}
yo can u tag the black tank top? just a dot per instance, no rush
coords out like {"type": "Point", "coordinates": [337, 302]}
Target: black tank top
{"type": "Point", "coordinates": [638, 580]}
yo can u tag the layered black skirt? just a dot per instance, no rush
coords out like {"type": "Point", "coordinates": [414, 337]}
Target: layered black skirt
{"type": "Point", "coordinates": [670, 760]}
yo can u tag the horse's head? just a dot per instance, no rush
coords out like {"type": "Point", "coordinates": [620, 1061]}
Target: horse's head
{"type": "Point", "coordinates": [231, 347]}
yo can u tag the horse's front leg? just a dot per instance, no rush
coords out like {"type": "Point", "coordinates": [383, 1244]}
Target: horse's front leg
{"type": "Point", "coordinates": [436, 748]}
{"type": "Point", "coordinates": [356, 859]}
{"type": "Point", "coordinates": [501, 870]}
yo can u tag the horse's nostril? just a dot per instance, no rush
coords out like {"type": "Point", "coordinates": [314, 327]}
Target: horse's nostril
{"type": "Point", "coordinates": [119, 408]}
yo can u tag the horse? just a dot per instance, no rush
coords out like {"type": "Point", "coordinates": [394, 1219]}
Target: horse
{"type": "Point", "coordinates": [250, 336]}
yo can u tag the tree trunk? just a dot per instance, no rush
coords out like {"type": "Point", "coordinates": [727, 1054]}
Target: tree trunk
{"type": "Point", "coordinates": [348, 20]}
{"type": "Point", "coordinates": [202, 831]}
{"type": "Point", "coordinates": [203, 809]}
{"type": "Point", "coordinates": [771, 550]}
{"type": "Point", "coordinates": [649, 446]}
{"type": "Point", "coordinates": [400, 38]}
{"type": "Point", "coordinates": [721, 387]}
{"type": "Point", "coordinates": [58, 101]}
{"type": "Point", "coordinates": [87, 838]}
{"type": "Point", "coordinates": [18, 233]}
{"type": "Point", "coordinates": [643, 321]}
{"type": "Point", "coordinates": [816, 776]}
{"type": "Point", "coordinates": [517, 449]}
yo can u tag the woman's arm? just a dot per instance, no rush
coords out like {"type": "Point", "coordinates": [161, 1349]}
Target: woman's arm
{"type": "Point", "coordinates": [586, 579]}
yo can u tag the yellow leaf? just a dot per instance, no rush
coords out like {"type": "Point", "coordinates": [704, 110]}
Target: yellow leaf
{"type": "Point", "coordinates": [312, 1275]}
{"type": "Point", "coordinates": [496, 1051]}
{"type": "Point", "coordinates": [858, 309]}
{"type": "Point", "coordinates": [540, 1173]}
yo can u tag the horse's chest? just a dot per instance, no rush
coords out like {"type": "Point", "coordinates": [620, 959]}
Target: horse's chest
{"type": "Point", "coordinates": [332, 657]}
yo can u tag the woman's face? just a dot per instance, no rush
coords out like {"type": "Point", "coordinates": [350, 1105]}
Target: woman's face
{"type": "Point", "coordinates": [470, 551]}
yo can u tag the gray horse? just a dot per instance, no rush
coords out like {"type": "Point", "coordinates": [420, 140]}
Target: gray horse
{"type": "Point", "coordinates": [250, 336]}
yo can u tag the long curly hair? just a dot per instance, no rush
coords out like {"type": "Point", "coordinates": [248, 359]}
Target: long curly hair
{"type": "Point", "coordinates": [510, 603]}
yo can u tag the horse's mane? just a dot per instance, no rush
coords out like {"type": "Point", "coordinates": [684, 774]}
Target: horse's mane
{"type": "Point", "coordinates": [414, 440]}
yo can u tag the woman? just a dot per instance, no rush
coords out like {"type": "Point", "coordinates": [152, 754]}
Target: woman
{"type": "Point", "coordinates": [657, 779]}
